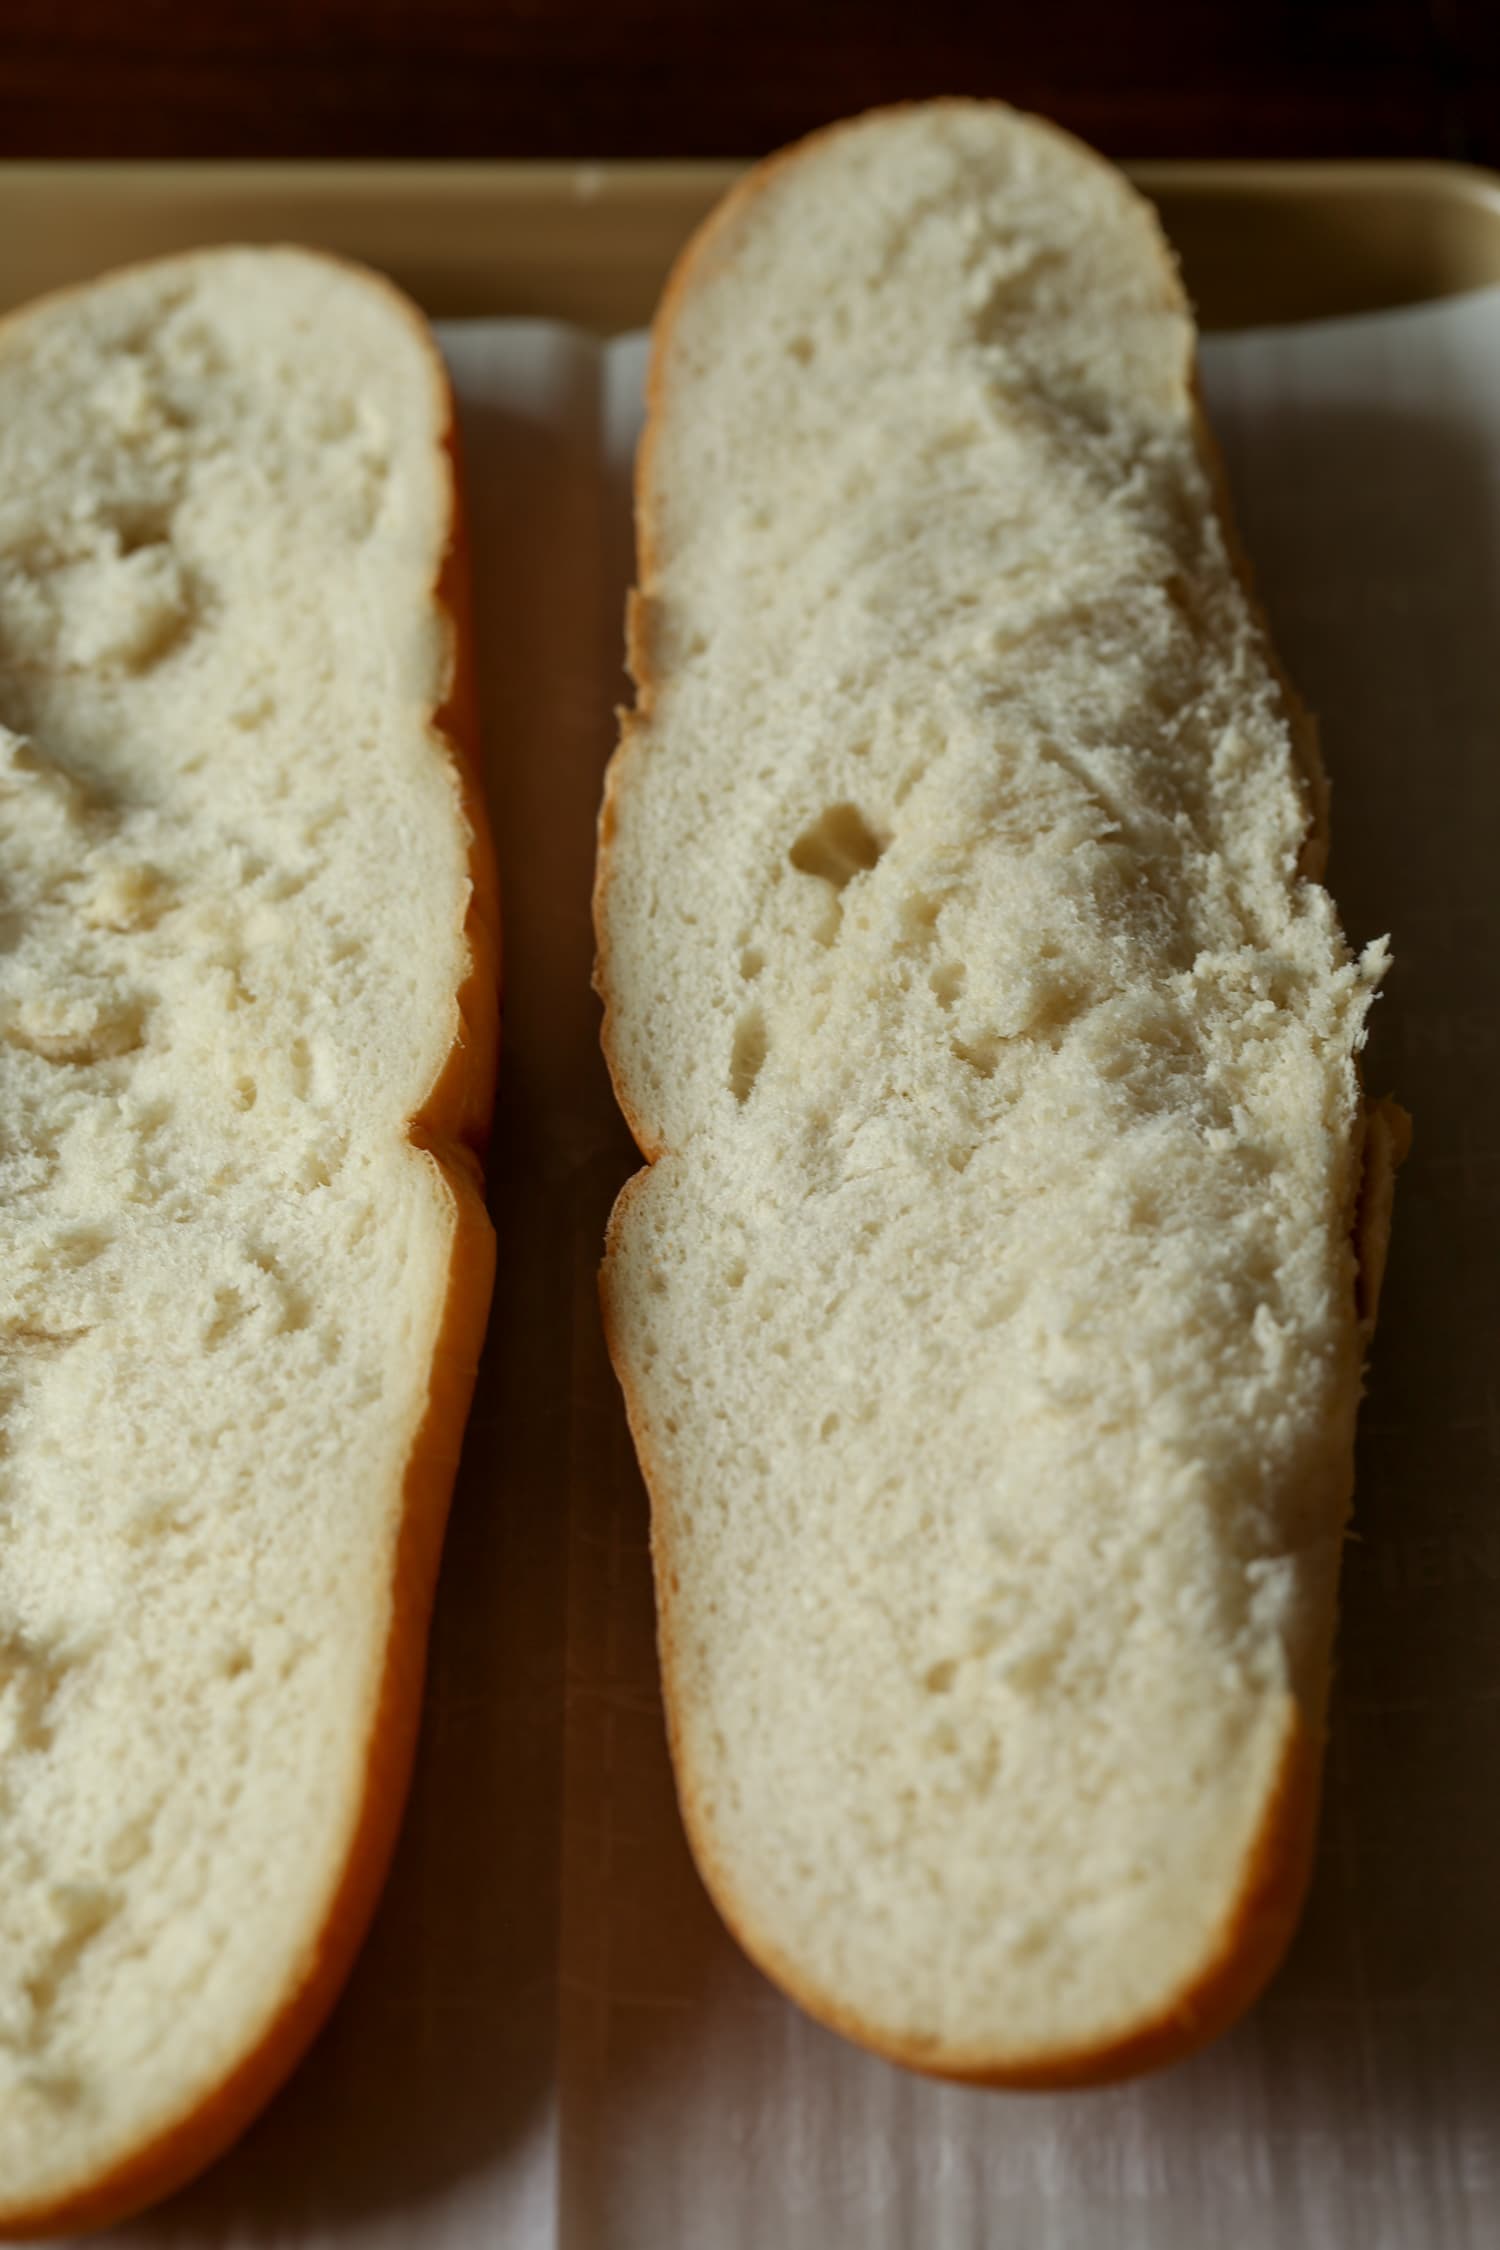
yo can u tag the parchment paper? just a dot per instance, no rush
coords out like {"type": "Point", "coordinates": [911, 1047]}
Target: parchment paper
{"type": "Point", "coordinates": [549, 2040]}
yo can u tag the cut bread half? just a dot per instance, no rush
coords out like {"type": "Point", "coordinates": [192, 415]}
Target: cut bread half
{"type": "Point", "coordinates": [247, 1041]}
{"type": "Point", "coordinates": [987, 1317]}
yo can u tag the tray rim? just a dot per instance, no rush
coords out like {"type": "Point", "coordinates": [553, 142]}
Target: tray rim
{"type": "Point", "coordinates": [588, 176]}
{"type": "Point", "coordinates": [590, 242]}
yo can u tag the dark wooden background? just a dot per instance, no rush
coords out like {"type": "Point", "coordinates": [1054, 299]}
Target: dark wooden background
{"type": "Point", "coordinates": [622, 78]}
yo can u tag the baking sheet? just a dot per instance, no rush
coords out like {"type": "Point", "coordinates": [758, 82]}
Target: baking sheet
{"type": "Point", "coordinates": [549, 2040]}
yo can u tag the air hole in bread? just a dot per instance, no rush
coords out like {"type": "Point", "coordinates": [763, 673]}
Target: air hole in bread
{"type": "Point", "coordinates": [981, 1054]}
{"type": "Point", "coordinates": [229, 1310]}
{"type": "Point", "coordinates": [947, 981]}
{"type": "Point", "coordinates": [749, 1053]}
{"type": "Point", "coordinates": [80, 1246]}
{"type": "Point", "coordinates": [82, 1910]}
{"type": "Point", "coordinates": [31, 1672]}
{"type": "Point", "coordinates": [255, 712]}
{"type": "Point", "coordinates": [838, 845]}
{"type": "Point", "coordinates": [142, 527]}
{"type": "Point", "coordinates": [78, 1027]}
{"type": "Point", "coordinates": [919, 913]}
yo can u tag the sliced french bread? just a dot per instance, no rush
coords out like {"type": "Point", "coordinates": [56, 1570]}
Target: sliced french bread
{"type": "Point", "coordinates": [987, 1316]}
{"type": "Point", "coordinates": [247, 1036]}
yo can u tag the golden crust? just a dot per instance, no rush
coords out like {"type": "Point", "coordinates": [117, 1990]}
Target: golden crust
{"type": "Point", "coordinates": [1260, 1922]}
{"type": "Point", "coordinates": [452, 1127]}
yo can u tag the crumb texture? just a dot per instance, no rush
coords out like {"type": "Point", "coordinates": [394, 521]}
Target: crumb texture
{"type": "Point", "coordinates": [234, 869]}
{"type": "Point", "coordinates": [987, 1317]}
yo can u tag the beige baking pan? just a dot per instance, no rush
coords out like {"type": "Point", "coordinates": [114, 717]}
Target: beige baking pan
{"type": "Point", "coordinates": [592, 242]}
{"type": "Point", "coordinates": [545, 1977]}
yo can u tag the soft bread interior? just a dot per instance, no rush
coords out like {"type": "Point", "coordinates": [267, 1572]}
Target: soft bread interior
{"type": "Point", "coordinates": [987, 1318]}
{"type": "Point", "coordinates": [235, 870]}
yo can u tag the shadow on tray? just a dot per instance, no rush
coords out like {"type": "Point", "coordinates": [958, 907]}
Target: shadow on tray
{"type": "Point", "coordinates": [1396, 1974]}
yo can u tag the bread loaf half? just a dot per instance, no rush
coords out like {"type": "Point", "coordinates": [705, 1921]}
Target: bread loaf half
{"type": "Point", "coordinates": [987, 1316]}
{"type": "Point", "coordinates": [247, 1032]}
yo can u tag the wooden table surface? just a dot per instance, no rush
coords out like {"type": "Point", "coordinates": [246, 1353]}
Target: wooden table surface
{"type": "Point", "coordinates": [633, 78]}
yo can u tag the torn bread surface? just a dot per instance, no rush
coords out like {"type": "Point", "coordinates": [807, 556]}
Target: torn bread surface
{"type": "Point", "coordinates": [987, 1315]}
